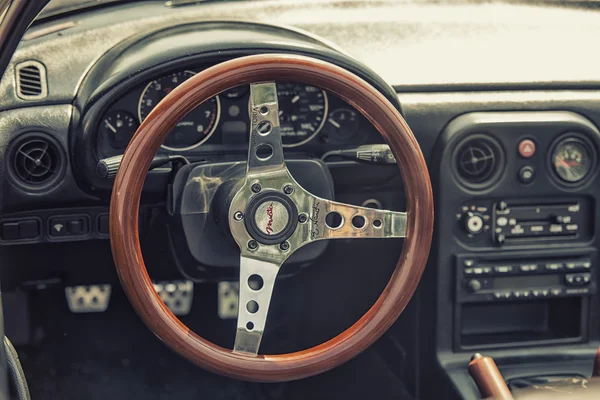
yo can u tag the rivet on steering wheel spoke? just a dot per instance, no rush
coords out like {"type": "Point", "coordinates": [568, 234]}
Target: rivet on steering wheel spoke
{"type": "Point", "coordinates": [252, 245]}
{"type": "Point", "coordinates": [256, 187]}
{"type": "Point", "coordinates": [285, 246]}
{"type": "Point", "coordinates": [238, 216]}
{"type": "Point", "coordinates": [302, 218]}
{"type": "Point", "coordinates": [288, 189]}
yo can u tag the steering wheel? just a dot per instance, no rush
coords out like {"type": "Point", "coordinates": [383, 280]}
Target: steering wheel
{"type": "Point", "coordinates": [271, 216]}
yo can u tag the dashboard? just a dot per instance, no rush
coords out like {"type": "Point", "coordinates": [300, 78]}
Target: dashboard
{"type": "Point", "coordinates": [310, 118]}
{"type": "Point", "coordinates": [513, 152]}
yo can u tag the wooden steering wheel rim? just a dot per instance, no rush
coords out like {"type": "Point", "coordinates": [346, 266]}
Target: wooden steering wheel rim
{"type": "Point", "coordinates": [124, 210]}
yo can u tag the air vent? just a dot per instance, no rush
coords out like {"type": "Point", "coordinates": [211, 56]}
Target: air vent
{"type": "Point", "coordinates": [31, 80]}
{"type": "Point", "coordinates": [478, 161]}
{"type": "Point", "coordinates": [36, 161]}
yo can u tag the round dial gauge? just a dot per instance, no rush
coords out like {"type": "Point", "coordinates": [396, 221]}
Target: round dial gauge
{"type": "Point", "coordinates": [196, 127]}
{"type": "Point", "coordinates": [302, 112]}
{"type": "Point", "coordinates": [343, 122]}
{"type": "Point", "coordinates": [572, 160]}
{"type": "Point", "coordinates": [119, 127]}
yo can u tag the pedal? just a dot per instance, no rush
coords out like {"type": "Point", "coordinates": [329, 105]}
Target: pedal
{"type": "Point", "coordinates": [177, 295]}
{"type": "Point", "coordinates": [88, 298]}
{"type": "Point", "coordinates": [228, 295]}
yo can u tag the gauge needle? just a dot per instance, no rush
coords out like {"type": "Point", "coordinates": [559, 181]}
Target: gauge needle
{"type": "Point", "coordinates": [112, 128]}
{"type": "Point", "coordinates": [563, 162]}
{"type": "Point", "coordinates": [295, 99]}
{"type": "Point", "coordinates": [334, 123]}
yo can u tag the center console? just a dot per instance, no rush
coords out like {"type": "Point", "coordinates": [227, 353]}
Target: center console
{"type": "Point", "coordinates": [517, 209]}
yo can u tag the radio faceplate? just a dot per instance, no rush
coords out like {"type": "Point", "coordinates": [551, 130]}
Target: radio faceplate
{"type": "Point", "coordinates": [486, 279]}
{"type": "Point", "coordinates": [508, 223]}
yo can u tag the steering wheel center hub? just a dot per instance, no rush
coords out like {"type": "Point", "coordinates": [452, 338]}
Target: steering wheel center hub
{"type": "Point", "coordinates": [271, 217]}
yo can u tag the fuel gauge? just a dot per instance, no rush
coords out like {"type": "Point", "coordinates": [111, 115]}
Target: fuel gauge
{"type": "Point", "coordinates": [119, 127]}
{"type": "Point", "coordinates": [572, 160]}
{"type": "Point", "coordinates": [344, 123]}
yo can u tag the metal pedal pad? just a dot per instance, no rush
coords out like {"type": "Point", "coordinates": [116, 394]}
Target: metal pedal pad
{"type": "Point", "coordinates": [88, 298]}
{"type": "Point", "coordinates": [228, 294]}
{"type": "Point", "coordinates": [177, 295]}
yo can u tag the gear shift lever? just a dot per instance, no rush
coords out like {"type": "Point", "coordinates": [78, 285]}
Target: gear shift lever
{"type": "Point", "coordinates": [488, 378]}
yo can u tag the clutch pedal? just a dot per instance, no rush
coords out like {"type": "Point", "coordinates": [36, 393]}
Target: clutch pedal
{"type": "Point", "coordinates": [88, 298]}
{"type": "Point", "coordinates": [228, 294]}
{"type": "Point", "coordinates": [177, 295]}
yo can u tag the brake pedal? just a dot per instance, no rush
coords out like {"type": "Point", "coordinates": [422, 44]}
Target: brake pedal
{"type": "Point", "coordinates": [228, 294]}
{"type": "Point", "coordinates": [177, 295]}
{"type": "Point", "coordinates": [88, 298]}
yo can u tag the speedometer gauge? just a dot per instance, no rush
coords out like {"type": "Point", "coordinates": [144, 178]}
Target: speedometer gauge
{"type": "Point", "coordinates": [302, 112]}
{"type": "Point", "coordinates": [196, 127]}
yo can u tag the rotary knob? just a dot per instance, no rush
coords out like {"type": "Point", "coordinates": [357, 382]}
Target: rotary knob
{"type": "Point", "coordinates": [473, 223]}
{"type": "Point", "coordinates": [474, 285]}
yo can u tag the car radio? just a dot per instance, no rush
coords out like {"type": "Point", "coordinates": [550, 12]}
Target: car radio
{"type": "Point", "coordinates": [516, 222]}
{"type": "Point", "coordinates": [486, 280]}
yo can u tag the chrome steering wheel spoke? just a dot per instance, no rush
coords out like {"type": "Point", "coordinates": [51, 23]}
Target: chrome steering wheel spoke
{"type": "Point", "coordinates": [271, 216]}
{"type": "Point", "coordinates": [257, 279]}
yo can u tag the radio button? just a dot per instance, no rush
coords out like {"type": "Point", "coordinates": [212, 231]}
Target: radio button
{"type": "Point", "coordinates": [469, 271]}
{"type": "Point", "coordinates": [545, 292]}
{"type": "Point", "coordinates": [526, 293]}
{"type": "Point", "coordinates": [556, 292]}
{"type": "Point", "coordinates": [468, 263]}
{"type": "Point", "coordinates": [578, 265]}
{"type": "Point", "coordinates": [502, 295]}
{"type": "Point", "coordinates": [529, 267]}
{"type": "Point", "coordinates": [503, 269]}
{"type": "Point", "coordinates": [578, 279]}
{"type": "Point", "coordinates": [536, 293]}
{"type": "Point", "coordinates": [554, 266]}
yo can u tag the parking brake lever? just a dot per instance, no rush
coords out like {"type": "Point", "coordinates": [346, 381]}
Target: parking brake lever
{"type": "Point", "coordinates": [107, 167]}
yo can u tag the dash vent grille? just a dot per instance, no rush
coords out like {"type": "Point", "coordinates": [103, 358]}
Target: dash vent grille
{"type": "Point", "coordinates": [31, 80]}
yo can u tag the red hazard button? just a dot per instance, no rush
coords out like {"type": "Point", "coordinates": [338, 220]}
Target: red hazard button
{"type": "Point", "coordinates": [526, 148]}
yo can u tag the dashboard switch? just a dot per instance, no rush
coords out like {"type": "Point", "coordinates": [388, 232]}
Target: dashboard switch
{"type": "Point", "coordinates": [526, 174]}
{"type": "Point", "coordinates": [29, 229]}
{"type": "Point", "coordinates": [526, 148]}
{"type": "Point", "coordinates": [10, 231]}
{"type": "Point", "coordinates": [76, 227]}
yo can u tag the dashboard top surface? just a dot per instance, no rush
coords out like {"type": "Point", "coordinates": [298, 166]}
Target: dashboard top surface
{"type": "Point", "coordinates": [416, 45]}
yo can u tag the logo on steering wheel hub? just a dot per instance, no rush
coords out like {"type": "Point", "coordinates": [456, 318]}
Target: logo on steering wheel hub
{"type": "Point", "coordinates": [271, 217]}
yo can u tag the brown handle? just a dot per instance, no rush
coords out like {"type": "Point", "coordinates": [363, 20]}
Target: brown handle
{"type": "Point", "coordinates": [596, 372]}
{"type": "Point", "coordinates": [488, 378]}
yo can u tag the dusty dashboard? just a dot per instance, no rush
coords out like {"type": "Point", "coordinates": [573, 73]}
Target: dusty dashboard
{"type": "Point", "coordinates": [311, 119]}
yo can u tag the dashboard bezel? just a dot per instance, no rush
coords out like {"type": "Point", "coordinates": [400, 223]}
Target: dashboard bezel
{"type": "Point", "coordinates": [142, 58]}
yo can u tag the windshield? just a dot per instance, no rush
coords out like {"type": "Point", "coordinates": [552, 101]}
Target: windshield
{"type": "Point", "coordinates": [63, 6]}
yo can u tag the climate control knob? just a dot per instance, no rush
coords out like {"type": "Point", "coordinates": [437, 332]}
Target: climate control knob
{"type": "Point", "coordinates": [473, 223]}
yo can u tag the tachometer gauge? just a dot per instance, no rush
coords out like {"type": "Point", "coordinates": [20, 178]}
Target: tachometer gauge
{"type": "Point", "coordinates": [196, 127]}
{"type": "Point", "coordinates": [302, 112]}
{"type": "Point", "coordinates": [119, 127]}
{"type": "Point", "coordinates": [572, 160]}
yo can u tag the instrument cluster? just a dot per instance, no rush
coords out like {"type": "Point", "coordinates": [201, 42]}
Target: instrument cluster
{"type": "Point", "coordinates": [308, 117]}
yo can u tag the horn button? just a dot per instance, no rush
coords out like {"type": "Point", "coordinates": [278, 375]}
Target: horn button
{"type": "Point", "coordinates": [271, 217]}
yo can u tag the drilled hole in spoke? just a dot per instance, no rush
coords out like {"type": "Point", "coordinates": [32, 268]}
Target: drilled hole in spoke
{"type": "Point", "coordinates": [264, 110]}
{"type": "Point", "coordinates": [252, 306]}
{"type": "Point", "coordinates": [250, 326]}
{"type": "Point", "coordinates": [377, 223]}
{"type": "Point", "coordinates": [264, 128]}
{"type": "Point", "coordinates": [264, 152]}
{"type": "Point", "coordinates": [358, 221]}
{"type": "Point", "coordinates": [255, 282]}
{"type": "Point", "coordinates": [334, 220]}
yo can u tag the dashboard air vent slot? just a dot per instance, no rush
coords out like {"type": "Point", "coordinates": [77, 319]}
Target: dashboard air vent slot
{"type": "Point", "coordinates": [478, 161]}
{"type": "Point", "coordinates": [31, 80]}
{"type": "Point", "coordinates": [36, 161]}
